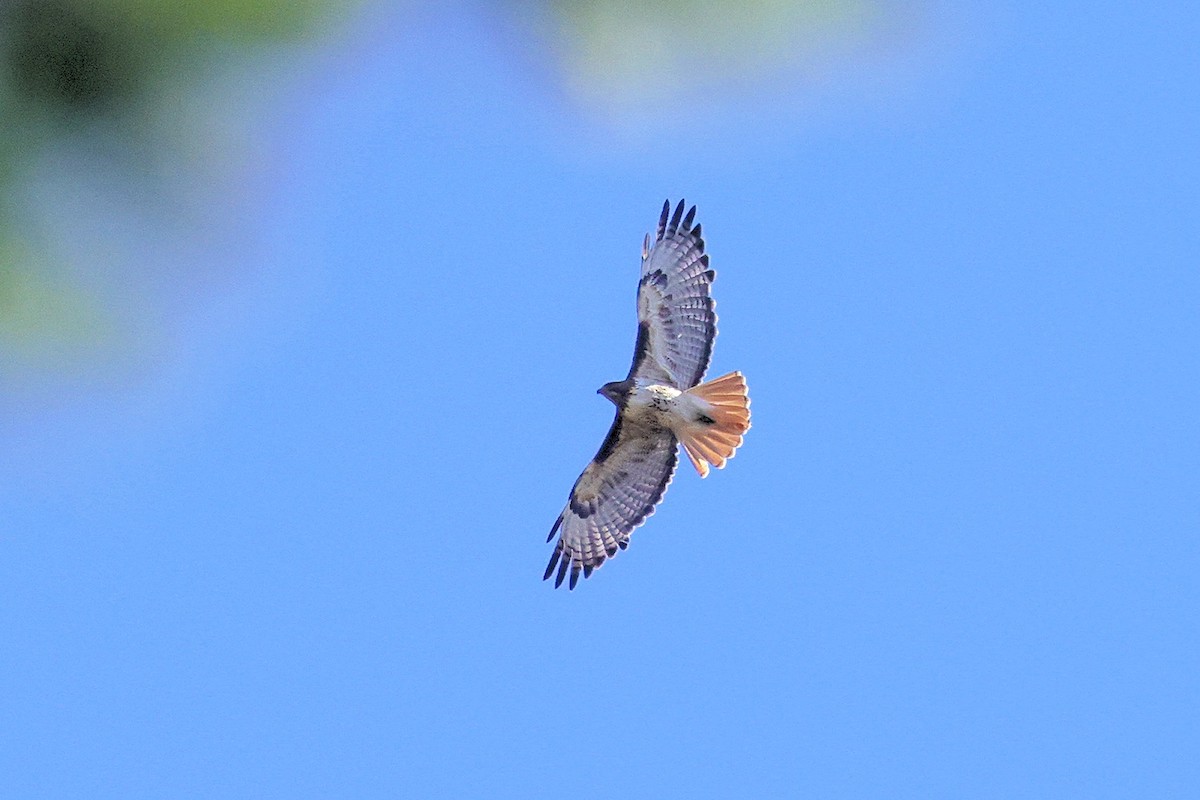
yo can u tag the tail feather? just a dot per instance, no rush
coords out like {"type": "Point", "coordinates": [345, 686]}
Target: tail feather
{"type": "Point", "coordinates": [701, 466]}
{"type": "Point", "coordinates": [725, 402]}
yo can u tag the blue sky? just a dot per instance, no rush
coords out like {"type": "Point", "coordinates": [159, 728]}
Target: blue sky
{"type": "Point", "coordinates": [297, 553]}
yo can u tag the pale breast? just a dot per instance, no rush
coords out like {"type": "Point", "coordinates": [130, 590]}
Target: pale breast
{"type": "Point", "coordinates": [659, 406]}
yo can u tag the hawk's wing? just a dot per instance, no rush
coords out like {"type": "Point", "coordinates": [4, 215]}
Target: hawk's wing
{"type": "Point", "coordinates": [614, 495]}
{"type": "Point", "coordinates": [676, 321]}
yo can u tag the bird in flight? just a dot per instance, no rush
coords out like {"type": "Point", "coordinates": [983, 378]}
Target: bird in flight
{"type": "Point", "coordinates": [660, 405]}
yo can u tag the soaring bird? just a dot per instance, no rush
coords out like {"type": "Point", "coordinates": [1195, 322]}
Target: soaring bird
{"type": "Point", "coordinates": [660, 405]}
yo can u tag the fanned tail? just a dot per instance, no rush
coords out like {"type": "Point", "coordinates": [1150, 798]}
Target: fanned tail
{"type": "Point", "coordinates": [726, 405]}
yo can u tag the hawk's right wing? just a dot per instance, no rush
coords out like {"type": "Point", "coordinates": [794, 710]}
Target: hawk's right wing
{"type": "Point", "coordinates": [615, 494]}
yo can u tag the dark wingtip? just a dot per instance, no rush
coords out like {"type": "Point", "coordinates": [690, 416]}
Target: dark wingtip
{"type": "Point", "coordinates": [574, 577]}
{"type": "Point", "coordinates": [674, 226]}
{"type": "Point", "coordinates": [554, 530]}
{"type": "Point", "coordinates": [691, 215]}
{"type": "Point", "coordinates": [662, 218]}
{"type": "Point", "coordinates": [553, 563]}
{"type": "Point", "coordinates": [562, 572]}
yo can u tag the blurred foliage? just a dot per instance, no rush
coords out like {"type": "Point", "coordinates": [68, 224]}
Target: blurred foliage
{"type": "Point", "coordinates": [96, 89]}
{"type": "Point", "coordinates": [623, 54]}
{"type": "Point", "coordinates": [251, 19]}
{"type": "Point", "coordinates": [93, 75]}
{"type": "Point", "coordinates": [61, 57]}
{"type": "Point", "coordinates": [74, 59]}
{"type": "Point", "coordinates": [41, 319]}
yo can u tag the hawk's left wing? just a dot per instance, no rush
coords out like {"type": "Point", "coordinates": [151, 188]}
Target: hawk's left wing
{"type": "Point", "coordinates": [614, 495]}
{"type": "Point", "coordinates": [677, 323]}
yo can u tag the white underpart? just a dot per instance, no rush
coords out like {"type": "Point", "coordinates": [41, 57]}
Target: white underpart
{"type": "Point", "coordinates": [659, 405]}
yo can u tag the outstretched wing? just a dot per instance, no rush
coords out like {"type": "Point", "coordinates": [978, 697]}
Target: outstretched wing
{"type": "Point", "coordinates": [614, 495]}
{"type": "Point", "coordinates": [676, 321]}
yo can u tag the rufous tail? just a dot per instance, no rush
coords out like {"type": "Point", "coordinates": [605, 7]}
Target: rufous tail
{"type": "Point", "coordinates": [725, 405]}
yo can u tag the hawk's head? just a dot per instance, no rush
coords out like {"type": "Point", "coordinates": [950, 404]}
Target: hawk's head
{"type": "Point", "coordinates": [615, 391]}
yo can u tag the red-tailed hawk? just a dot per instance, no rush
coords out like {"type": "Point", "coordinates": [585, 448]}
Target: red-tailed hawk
{"type": "Point", "coordinates": [660, 404]}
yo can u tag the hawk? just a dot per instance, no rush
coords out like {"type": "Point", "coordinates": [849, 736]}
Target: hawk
{"type": "Point", "coordinates": [660, 404]}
